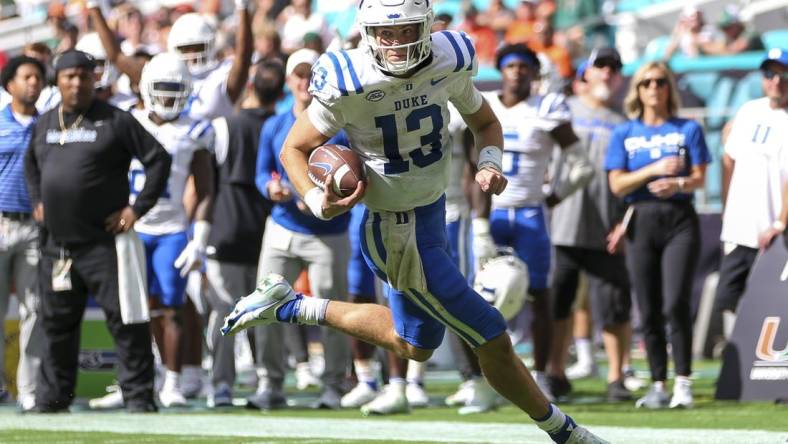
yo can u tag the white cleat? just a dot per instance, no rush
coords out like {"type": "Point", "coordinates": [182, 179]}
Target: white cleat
{"type": "Point", "coordinates": [416, 395]}
{"type": "Point", "coordinates": [361, 394]}
{"type": "Point", "coordinates": [541, 381]}
{"type": "Point", "coordinates": [259, 307]}
{"type": "Point", "coordinates": [172, 398]}
{"type": "Point", "coordinates": [582, 371]}
{"type": "Point", "coordinates": [483, 399]}
{"type": "Point", "coordinates": [655, 398]}
{"type": "Point", "coordinates": [304, 376]}
{"type": "Point", "coordinates": [392, 399]}
{"type": "Point", "coordinates": [682, 394]}
{"type": "Point", "coordinates": [581, 435]}
{"type": "Point", "coordinates": [112, 400]}
{"type": "Point", "coordinates": [463, 394]}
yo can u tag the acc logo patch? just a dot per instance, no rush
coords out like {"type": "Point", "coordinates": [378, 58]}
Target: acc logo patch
{"type": "Point", "coordinates": [376, 95]}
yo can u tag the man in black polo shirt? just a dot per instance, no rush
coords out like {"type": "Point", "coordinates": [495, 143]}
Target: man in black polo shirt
{"type": "Point", "coordinates": [77, 176]}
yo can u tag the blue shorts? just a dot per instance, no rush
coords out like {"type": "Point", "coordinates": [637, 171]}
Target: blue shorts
{"type": "Point", "coordinates": [524, 229]}
{"type": "Point", "coordinates": [460, 246]}
{"type": "Point", "coordinates": [164, 280]}
{"type": "Point", "coordinates": [361, 280]}
{"type": "Point", "coordinates": [421, 318]}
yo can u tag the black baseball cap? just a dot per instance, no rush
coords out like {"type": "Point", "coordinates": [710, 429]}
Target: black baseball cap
{"type": "Point", "coordinates": [74, 58]}
{"type": "Point", "coordinates": [600, 56]}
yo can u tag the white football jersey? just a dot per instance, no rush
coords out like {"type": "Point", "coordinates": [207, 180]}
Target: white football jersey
{"type": "Point", "coordinates": [181, 139]}
{"type": "Point", "coordinates": [457, 204]}
{"type": "Point", "coordinates": [209, 98]}
{"type": "Point", "coordinates": [399, 126]}
{"type": "Point", "coordinates": [527, 145]}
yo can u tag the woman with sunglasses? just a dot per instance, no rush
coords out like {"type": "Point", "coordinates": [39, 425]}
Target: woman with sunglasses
{"type": "Point", "coordinates": [654, 162]}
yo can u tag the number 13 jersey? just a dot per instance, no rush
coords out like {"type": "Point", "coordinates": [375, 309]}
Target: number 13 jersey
{"type": "Point", "coordinates": [399, 126]}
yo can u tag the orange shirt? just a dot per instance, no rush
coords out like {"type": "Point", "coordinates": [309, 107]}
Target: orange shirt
{"type": "Point", "coordinates": [558, 55]}
{"type": "Point", "coordinates": [519, 32]}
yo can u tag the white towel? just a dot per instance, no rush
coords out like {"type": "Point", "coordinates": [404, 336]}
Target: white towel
{"type": "Point", "coordinates": [403, 263]}
{"type": "Point", "coordinates": [132, 279]}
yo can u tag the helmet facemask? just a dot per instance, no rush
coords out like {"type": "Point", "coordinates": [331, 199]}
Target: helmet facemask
{"type": "Point", "coordinates": [415, 52]}
{"type": "Point", "coordinates": [199, 61]}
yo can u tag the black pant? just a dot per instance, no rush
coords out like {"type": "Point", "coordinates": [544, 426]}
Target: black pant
{"type": "Point", "coordinates": [663, 245]}
{"type": "Point", "coordinates": [95, 272]}
{"type": "Point", "coordinates": [734, 271]}
{"type": "Point", "coordinates": [611, 301]}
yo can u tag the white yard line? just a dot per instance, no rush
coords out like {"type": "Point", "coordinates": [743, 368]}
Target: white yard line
{"type": "Point", "coordinates": [361, 429]}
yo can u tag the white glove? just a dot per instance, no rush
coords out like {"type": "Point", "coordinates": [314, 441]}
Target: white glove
{"type": "Point", "coordinates": [193, 256]}
{"type": "Point", "coordinates": [483, 245]}
{"type": "Point", "coordinates": [241, 4]}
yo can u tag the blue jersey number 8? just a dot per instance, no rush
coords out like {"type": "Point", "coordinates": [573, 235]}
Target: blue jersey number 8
{"type": "Point", "coordinates": [388, 126]}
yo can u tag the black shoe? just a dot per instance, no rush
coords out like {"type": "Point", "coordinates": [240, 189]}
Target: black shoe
{"type": "Point", "coordinates": [559, 385]}
{"type": "Point", "coordinates": [266, 400]}
{"type": "Point", "coordinates": [617, 391]}
{"type": "Point", "coordinates": [141, 407]}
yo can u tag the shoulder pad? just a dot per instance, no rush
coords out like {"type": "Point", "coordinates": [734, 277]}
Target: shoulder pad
{"type": "Point", "coordinates": [336, 75]}
{"type": "Point", "coordinates": [553, 106]}
{"type": "Point", "coordinates": [202, 132]}
{"type": "Point", "coordinates": [453, 51]}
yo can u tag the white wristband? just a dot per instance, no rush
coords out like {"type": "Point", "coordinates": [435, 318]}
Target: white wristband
{"type": "Point", "coordinates": [314, 200]}
{"type": "Point", "coordinates": [480, 226]}
{"type": "Point", "coordinates": [490, 157]}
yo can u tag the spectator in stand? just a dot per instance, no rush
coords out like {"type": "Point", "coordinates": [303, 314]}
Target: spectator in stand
{"type": "Point", "coordinates": [655, 161]}
{"type": "Point", "coordinates": [543, 41]}
{"type": "Point", "coordinates": [267, 43]}
{"type": "Point", "coordinates": [735, 36]}
{"type": "Point", "coordinates": [497, 17]}
{"type": "Point", "coordinates": [23, 77]}
{"type": "Point", "coordinates": [691, 36]}
{"type": "Point", "coordinates": [130, 27]}
{"type": "Point", "coordinates": [442, 22]}
{"type": "Point", "coordinates": [484, 38]}
{"type": "Point", "coordinates": [297, 20]}
{"type": "Point", "coordinates": [522, 27]}
{"type": "Point", "coordinates": [755, 170]}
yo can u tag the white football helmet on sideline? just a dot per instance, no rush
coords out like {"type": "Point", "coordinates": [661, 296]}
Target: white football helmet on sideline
{"type": "Point", "coordinates": [376, 13]}
{"type": "Point", "coordinates": [106, 73]}
{"type": "Point", "coordinates": [165, 85]}
{"type": "Point", "coordinates": [503, 282]}
{"type": "Point", "coordinates": [193, 38]}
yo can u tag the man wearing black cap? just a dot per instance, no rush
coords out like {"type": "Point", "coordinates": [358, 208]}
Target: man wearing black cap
{"type": "Point", "coordinates": [755, 172]}
{"type": "Point", "coordinates": [77, 176]}
{"type": "Point", "coordinates": [580, 229]}
{"type": "Point", "coordinates": [23, 78]}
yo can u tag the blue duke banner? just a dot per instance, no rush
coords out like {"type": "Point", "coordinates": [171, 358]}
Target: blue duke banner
{"type": "Point", "coordinates": [755, 362]}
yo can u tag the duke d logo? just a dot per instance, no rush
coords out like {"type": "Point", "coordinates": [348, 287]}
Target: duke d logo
{"type": "Point", "coordinates": [772, 365]}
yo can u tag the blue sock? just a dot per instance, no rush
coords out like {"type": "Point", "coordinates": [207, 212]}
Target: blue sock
{"type": "Point", "coordinates": [373, 385]}
{"type": "Point", "coordinates": [289, 311]}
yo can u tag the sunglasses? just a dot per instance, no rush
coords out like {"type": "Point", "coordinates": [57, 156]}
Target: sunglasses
{"type": "Point", "coordinates": [768, 74]}
{"type": "Point", "coordinates": [661, 82]}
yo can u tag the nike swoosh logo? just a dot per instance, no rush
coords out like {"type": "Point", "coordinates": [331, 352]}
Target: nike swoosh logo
{"type": "Point", "coordinates": [434, 82]}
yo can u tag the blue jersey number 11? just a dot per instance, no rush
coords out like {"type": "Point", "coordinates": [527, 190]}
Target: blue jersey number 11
{"type": "Point", "coordinates": [388, 126]}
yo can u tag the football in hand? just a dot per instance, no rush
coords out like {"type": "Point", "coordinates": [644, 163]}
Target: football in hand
{"type": "Point", "coordinates": [342, 162]}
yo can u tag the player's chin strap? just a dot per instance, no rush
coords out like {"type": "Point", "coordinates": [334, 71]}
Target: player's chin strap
{"type": "Point", "coordinates": [314, 200]}
{"type": "Point", "coordinates": [490, 157]}
{"type": "Point", "coordinates": [580, 171]}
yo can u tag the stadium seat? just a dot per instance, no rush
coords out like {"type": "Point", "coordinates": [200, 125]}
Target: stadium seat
{"type": "Point", "coordinates": [701, 84]}
{"type": "Point", "coordinates": [655, 49]}
{"type": "Point", "coordinates": [718, 102]}
{"type": "Point", "coordinates": [748, 88]}
{"type": "Point", "coordinates": [777, 38]}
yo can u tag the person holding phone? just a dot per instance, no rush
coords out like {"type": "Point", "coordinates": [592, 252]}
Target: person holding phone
{"type": "Point", "coordinates": [655, 161]}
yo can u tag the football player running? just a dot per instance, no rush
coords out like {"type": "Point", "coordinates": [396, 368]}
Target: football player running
{"type": "Point", "coordinates": [165, 87]}
{"type": "Point", "coordinates": [390, 96]}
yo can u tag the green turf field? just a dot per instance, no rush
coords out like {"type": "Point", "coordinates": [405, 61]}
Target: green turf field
{"type": "Point", "coordinates": [710, 421]}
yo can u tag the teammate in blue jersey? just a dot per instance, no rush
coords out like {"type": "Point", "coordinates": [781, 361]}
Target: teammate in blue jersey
{"type": "Point", "coordinates": [390, 96]}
